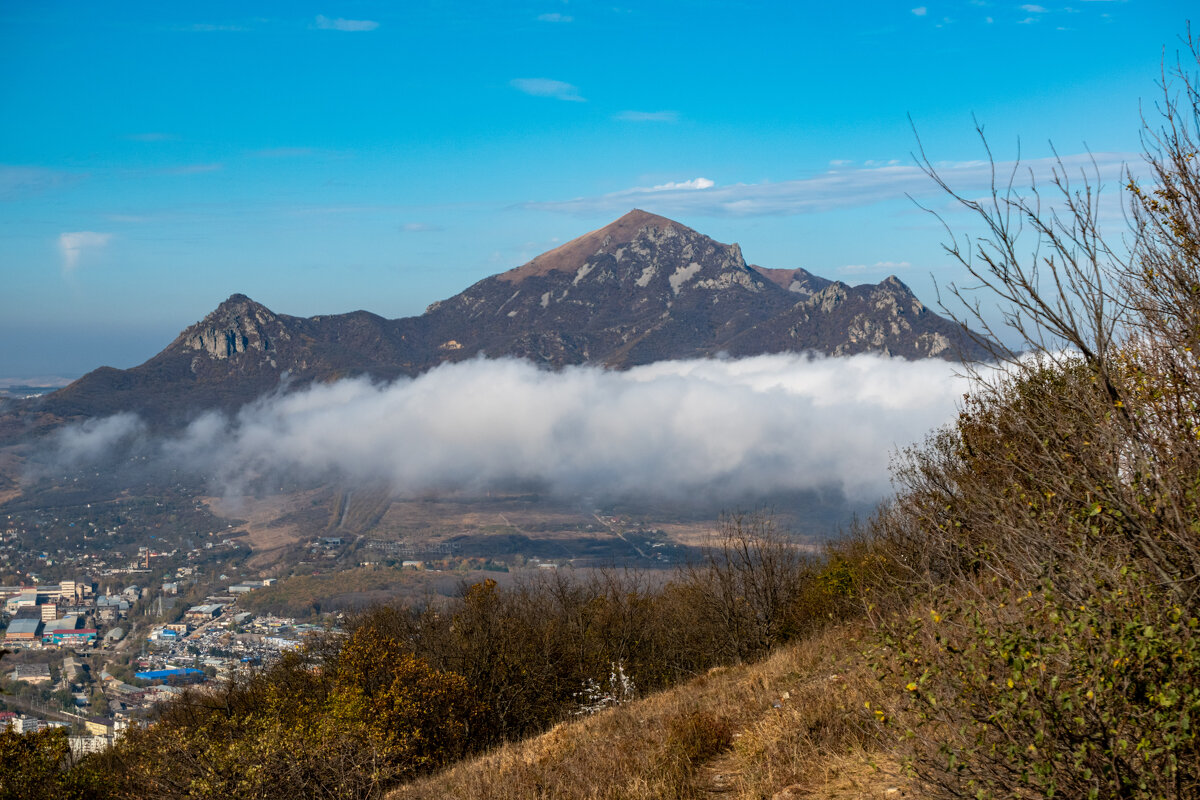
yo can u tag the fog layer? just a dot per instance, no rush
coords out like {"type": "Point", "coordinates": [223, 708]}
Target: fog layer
{"type": "Point", "coordinates": [729, 429]}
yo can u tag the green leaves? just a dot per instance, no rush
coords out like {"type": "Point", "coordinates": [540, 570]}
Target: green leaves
{"type": "Point", "coordinates": [1045, 695]}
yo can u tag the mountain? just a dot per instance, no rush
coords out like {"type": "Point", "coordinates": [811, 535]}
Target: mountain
{"type": "Point", "coordinates": [643, 288]}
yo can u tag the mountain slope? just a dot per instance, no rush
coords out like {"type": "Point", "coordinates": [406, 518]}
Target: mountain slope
{"type": "Point", "coordinates": [643, 288]}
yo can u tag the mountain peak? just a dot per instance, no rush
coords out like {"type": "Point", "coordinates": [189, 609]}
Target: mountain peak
{"type": "Point", "coordinates": [892, 282]}
{"type": "Point", "coordinates": [572, 255]}
{"type": "Point", "coordinates": [236, 302]}
{"type": "Point", "coordinates": [237, 325]}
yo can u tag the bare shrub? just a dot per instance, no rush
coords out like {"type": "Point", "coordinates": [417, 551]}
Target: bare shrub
{"type": "Point", "coordinates": [1053, 533]}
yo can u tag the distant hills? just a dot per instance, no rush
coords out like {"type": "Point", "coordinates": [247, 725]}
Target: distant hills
{"type": "Point", "coordinates": [641, 289]}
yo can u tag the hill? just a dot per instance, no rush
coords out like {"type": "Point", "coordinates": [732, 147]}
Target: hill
{"type": "Point", "coordinates": [641, 289]}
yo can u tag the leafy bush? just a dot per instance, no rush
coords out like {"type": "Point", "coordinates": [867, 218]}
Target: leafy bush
{"type": "Point", "coordinates": [1031, 694]}
{"type": "Point", "coordinates": [1051, 537]}
{"type": "Point", "coordinates": [348, 728]}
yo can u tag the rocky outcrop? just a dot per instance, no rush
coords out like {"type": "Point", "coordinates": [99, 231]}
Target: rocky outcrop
{"type": "Point", "coordinates": [238, 325]}
{"type": "Point", "coordinates": [643, 288]}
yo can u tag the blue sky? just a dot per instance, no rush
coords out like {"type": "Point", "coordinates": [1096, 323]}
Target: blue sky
{"type": "Point", "coordinates": [321, 158]}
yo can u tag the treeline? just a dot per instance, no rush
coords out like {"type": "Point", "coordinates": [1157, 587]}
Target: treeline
{"type": "Point", "coordinates": [414, 686]}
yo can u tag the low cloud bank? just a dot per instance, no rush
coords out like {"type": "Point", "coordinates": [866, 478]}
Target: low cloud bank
{"type": "Point", "coordinates": [718, 429]}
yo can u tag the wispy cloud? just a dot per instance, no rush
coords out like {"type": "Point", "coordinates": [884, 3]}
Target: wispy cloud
{"type": "Point", "coordinates": [920, 11]}
{"type": "Point", "coordinates": [324, 23]}
{"type": "Point", "coordinates": [17, 181]}
{"type": "Point", "coordinates": [153, 136]}
{"type": "Point", "coordinates": [546, 87]}
{"type": "Point", "coordinates": [73, 245]}
{"type": "Point", "coordinates": [648, 116]}
{"type": "Point", "coordinates": [1033, 9]}
{"type": "Point", "coordinates": [419, 227]}
{"type": "Point", "coordinates": [671, 186]}
{"type": "Point", "coordinates": [555, 17]}
{"type": "Point", "coordinates": [835, 188]}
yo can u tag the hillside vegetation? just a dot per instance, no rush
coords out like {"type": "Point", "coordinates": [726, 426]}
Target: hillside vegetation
{"type": "Point", "coordinates": [1021, 620]}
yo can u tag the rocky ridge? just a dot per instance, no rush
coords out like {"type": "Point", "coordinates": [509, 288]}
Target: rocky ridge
{"type": "Point", "coordinates": [642, 289]}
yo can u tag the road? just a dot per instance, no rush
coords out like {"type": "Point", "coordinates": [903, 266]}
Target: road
{"type": "Point", "coordinates": [616, 531]}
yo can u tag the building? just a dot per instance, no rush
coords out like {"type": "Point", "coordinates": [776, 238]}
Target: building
{"type": "Point", "coordinates": [73, 669]}
{"type": "Point", "coordinates": [31, 673]}
{"type": "Point", "coordinates": [99, 726]}
{"type": "Point", "coordinates": [86, 745]}
{"type": "Point", "coordinates": [71, 636]}
{"type": "Point", "coordinates": [172, 676]}
{"type": "Point", "coordinates": [23, 630]}
{"type": "Point", "coordinates": [67, 623]}
{"type": "Point", "coordinates": [204, 612]}
{"type": "Point", "coordinates": [27, 598]}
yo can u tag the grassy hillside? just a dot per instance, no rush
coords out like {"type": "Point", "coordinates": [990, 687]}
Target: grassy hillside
{"type": "Point", "coordinates": [797, 722]}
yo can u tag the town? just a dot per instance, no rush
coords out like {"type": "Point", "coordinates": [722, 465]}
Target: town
{"type": "Point", "coordinates": [71, 660]}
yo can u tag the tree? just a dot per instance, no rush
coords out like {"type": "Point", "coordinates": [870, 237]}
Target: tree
{"type": "Point", "coordinates": [1054, 530]}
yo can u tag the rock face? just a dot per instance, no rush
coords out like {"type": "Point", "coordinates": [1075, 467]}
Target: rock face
{"type": "Point", "coordinates": [641, 289]}
{"type": "Point", "coordinates": [237, 326]}
{"type": "Point", "coordinates": [646, 288]}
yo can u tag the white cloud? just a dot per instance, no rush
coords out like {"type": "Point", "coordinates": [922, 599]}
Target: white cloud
{"type": "Point", "coordinates": [648, 116]}
{"type": "Point", "coordinates": [730, 429]}
{"type": "Point", "coordinates": [555, 17]}
{"type": "Point", "coordinates": [670, 186]}
{"type": "Point", "coordinates": [73, 245]}
{"type": "Point", "coordinates": [1033, 9]}
{"type": "Point", "coordinates": [839, 188]}
{"type": "Point", "coordinates": [347, 25]}
{"type": "Point", "coordinates": [95, 438]}
{"type": "Point", "coordinates": [545, 87]}
{"type": "Point", "coordinates": [419, 227]}
{"type": "Point", "coordinates": [920, 11]}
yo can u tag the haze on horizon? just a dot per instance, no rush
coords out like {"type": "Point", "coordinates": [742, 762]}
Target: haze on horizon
{"type": "Point", "coordinates": [369, 155]}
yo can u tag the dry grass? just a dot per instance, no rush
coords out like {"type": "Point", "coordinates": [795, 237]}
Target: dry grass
{"type": "Point", "coordinates": [266, 533]}
{"type": "Point", "coordinates": [794, 725]}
